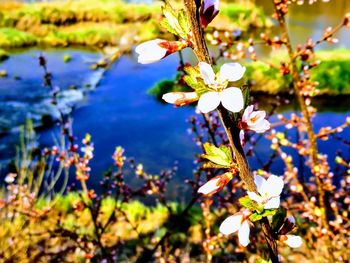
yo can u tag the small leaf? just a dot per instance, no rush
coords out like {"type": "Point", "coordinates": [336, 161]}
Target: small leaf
{"type": "Point", "coordinates": [172, 20]}
{"type": "Point", "coordinates": [210, 165]}
{"type": "Point", "coordinates": [165, 24]}
{"type": "Point", "coordinates": [227, 152]}
{"type": "Point", "coordinates": [255, 217]}
{"type": "Point", "coordinates": [211, 149]}
{"type": "Point", "coordinates": [246, 95]}
{"type": "Point", "coordinates": [184, 23]}
{"type": "Point", "coordinates": [248, 203]}
{"type": "Point", "coordinates": [258, 216]}
{"type": "Point", "coordinates": [217, 160]}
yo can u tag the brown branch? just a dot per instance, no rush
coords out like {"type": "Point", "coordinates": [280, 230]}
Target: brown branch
{"type": "Point", "coordinates": [307, 120]}
{"type": "Point", "coordinates": [201, 51]}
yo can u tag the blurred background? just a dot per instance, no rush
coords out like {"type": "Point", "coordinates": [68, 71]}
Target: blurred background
{"type": "Point", "coordinates": [89, 49]}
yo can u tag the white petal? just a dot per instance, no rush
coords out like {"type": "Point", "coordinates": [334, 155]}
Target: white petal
{"type": "Point", "coordinates": [209, 101]}
{"type": "Point", "coordinates": [241, 137]}
{"type": "Point", "coordinates": [174, 97]}
{"type": "Point", "coordinates": [231, 224]}
{"type": "Point", "coordinates": [272, 187]}
{"type": "Point", "coordinates": [207, 73]}
{"type": "Point", "coordinates": [293, 241]}
{"type": "Point", "coordinates": [273, 203]}
{"type": "Point", "coordinates": [150, 51]}
{"type": "Point", "coordinates": [259, 181]}
{"type": "Point", "coordinates": [255, 117]}
{"type": "Point", "coordinates": [243, 234]}
{"type": "Point", "coordinates": [255, 197]}
{"type": "Point", "coordinates": [291, 219]}
{"type": "Point", "coordinates": [261, 126]}
{"type": "Point", "coordinates": [231, 72]}
{"type": "Point", "coordinates": [232, 99]}
{"type": "Point", "coordinates": [247, 113]}
{"type": "Point", "coordinates": [209, 186]}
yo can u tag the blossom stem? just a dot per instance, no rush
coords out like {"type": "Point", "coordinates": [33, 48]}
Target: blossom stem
{"type": "Point", "coordinates": [201, 51]}
{"type": "Point", "coordinates": [308, 124]}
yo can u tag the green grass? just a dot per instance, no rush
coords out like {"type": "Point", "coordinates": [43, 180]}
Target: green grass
{"type": "Point", "coordinates": [245, 16]}
{"type": "Point", "coordinates": [100, 22]}
{"type": "Point", "coordinates": [333, 74]}
{"type": "Point", "coordinates": [10, 37]}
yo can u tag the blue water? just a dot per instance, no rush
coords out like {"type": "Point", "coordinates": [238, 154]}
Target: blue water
{"type": "Point", "coordinates": [120, 112]}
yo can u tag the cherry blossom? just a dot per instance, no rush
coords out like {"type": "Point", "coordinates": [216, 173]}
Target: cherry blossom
{"type": "Point", "coordinates": [292, 240]}
{"type": "Point", "coordinates": [269, 191]}
{"type": "Point", "coordinates": [254, 120]}
{"type": "Point", "coordinates": [231, 98]}
{"type": "Point", "coordinates": [237, 222]}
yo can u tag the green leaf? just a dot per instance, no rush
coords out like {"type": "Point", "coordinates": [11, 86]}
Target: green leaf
{"type": "Point", "coordinates": [210, 165]}
{"type": "Point", "coordinates": [255, 217]}
{"type": "Point", "coordinates": [211, 149]}
{"type": "Point", "coordinates": [217, 160]}
{"type": "Point", "coordinates": [192, 71]}
{"type": "Point", "coordinates": [258, 216]}
{"type": "Point", "coordinates": [246, 95]}
{"type": "Point", "coordinates": [248, 203]}
{"type": "Point", "coordinates": [172, 20]}
{"type": "Point", "coordinates": [227, 151]}
{"type": "Point", "coordinates": [165, 24]}
{"type": "Point", "coordinates": [184, 23]}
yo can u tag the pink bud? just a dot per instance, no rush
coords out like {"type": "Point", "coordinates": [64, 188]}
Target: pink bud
{"type": "Point", "coordinates": [209, 10]}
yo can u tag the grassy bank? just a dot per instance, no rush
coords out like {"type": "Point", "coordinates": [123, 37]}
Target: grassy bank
{"type": "Point", "coordinates": [333, 74]}
{"type": "Point", "coordinates": [100, 22]}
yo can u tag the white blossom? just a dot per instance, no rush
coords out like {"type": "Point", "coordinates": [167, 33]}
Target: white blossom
{"type": "Point", "coordinates": [234, 223]}
{"type": "Point", "coordinates": [151, 51]}
{"type": "Point", "coordinates": [293, 241]}
{"type": "Point", "coordinates": [230, 97]}
{"type": "Point", "coordinates": [255, 120]}
{"type": "Point", "coordinates": [269, 191]}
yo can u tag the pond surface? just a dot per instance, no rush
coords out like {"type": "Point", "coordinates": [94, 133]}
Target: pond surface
{"type": "Point", "coordinates": [119, 111]}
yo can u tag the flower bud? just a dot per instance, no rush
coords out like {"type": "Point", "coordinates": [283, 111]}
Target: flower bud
{"type": "Point", "coordinates": [156, 49]}
{"type": "Point", "coordinates": [209, 10]}
{"type": "Point", "coordinates": [215, 184]}
{"type": "Point", "coordinates": [180, 98]}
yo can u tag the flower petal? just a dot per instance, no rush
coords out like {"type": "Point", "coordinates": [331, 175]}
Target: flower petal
{"type": "Point", "coordinates": [210, 186]}
{"type": "Point", "coordinates": [232, 99]}
{"type": "Point", "coordinates": [231, 72]}
{"type": "Point", "coordinates": [209, 101]}
{"type": "Point", "coordinates": [180, 98]}
{"type": "Point", "coordinates": [293, 241]}
{"type": "Point", "coordinates": [272, 187]}
{"type": "Point", "coordinates": [242, 137]}
{"type": "Point", "coordinates": [207, 73]}
{"type": "Point", "coordinates": [259, 181]}
{"type": "Point", "coordinates": [255, 117]}
{"type": "Point", "coordinates": [247, 112]}
{"type": "Point", "coordinates": [243, 234]}
{"type": "Point", "coordinates": [273, 203]}
{"type": "Point", "coordinates": [150, 51]}
{"type": "Point", "coordinates": [261, 126]}
{"type": "Point", "coordinates": [231, 224]}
